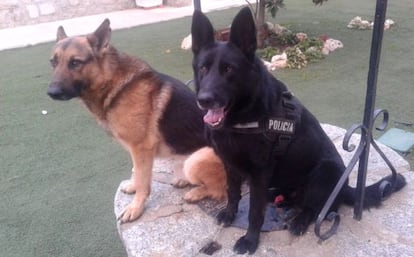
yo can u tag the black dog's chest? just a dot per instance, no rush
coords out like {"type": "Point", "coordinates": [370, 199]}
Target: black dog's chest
{"type": "Point", "coordinates": [259, 145]}
{"type": "Point", "coordinates": [245, 153]}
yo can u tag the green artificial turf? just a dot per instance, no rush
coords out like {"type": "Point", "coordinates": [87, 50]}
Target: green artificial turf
{"type": "Point", "coordinates": [59, 171]}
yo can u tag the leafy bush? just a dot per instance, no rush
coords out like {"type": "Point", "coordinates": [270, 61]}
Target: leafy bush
{"type": "Point", "coordinates": [299, 53]}
{"type": "Point", "coordinates": [268, 52]}
{"type": "Point", "coordinates": [312, 49]}
{"type": "Point", "coordinates": [286, 38]}
{"type": "Point", "coordinates": [296, 58]}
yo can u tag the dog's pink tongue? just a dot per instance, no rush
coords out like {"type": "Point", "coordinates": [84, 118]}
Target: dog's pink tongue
{"type": "Point", "coordinates": [214, 116]}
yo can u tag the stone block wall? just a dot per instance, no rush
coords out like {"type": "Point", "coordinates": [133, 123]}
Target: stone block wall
{"type": "Point", "coordinates": [177, 3]}
{"type": "Point", "coordinates": [14, 13]}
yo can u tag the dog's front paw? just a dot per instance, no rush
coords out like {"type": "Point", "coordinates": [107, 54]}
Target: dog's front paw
{"type": "Point", "coordinates": [245, 244]}
{"type": "Point", "coordinates": [226, 217]}
{"type": "Point", "coordinates": [299, 225]}
{"type": "Point", "coordinates": [131, 213]}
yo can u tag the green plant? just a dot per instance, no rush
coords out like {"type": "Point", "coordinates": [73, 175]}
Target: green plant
{"type": "Point", "coordinates": [312, 49]}
{"type": "Point", "coordinates": [296, 58]}
{"type": "Point", "coordinates": [268, 52]}
{"type": "Point", "coordinates": [286, 38]}
{"type": "Point", "coordinates": [310, 42]}
{"type": "Point", "coordinates": [313, 55]}
{"type": "Point", "coordinates": [273, 6]}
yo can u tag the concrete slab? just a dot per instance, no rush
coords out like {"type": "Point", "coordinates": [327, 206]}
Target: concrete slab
{"type": "Point", "coordinates": [171, 227]}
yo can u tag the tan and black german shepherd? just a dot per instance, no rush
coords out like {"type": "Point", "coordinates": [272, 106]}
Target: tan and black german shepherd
{"type": "Point", "coordinates": [149, 113]}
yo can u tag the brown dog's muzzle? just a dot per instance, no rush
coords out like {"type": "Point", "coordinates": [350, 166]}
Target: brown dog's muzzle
{"type": "Point", "coordinates": [58, 90]}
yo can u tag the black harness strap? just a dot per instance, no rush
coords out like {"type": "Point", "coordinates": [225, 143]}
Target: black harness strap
{"type": "Point", "coordinates": [279, 129]}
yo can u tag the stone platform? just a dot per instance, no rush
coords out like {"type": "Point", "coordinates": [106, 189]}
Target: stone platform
{"type": "Point", "coordinates": [170, 227]}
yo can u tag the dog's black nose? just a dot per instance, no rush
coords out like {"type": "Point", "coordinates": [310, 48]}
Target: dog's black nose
{"type": "Point", "coordinates": [56, 92]}
{"type": "Point", "coordinates": [206, 100]}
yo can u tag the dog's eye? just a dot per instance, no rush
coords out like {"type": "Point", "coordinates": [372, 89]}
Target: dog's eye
{"type": "Point", "coordinates": [74, 63]}
{"type": "Point", "coordinates": [228, 69]}
{"type": "Point", "coordinates": [203, 70]}
{"type": "Point", "coordinates": [53, 62]}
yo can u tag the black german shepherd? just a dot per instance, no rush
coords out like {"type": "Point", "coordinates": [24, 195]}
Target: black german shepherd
{"type": "Point", "coordinates": [263, 133]}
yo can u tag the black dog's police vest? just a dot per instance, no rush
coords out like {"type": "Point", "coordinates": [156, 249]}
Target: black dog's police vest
{"type": "Point", "coordinates": [278, 129]}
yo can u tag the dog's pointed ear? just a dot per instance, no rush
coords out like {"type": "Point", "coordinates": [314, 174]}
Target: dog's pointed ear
{"type": "Point", "coordinates": [243, 32]}
{"type": "Point", "coordinates": [61, 34]}
{"type": "Point", "coordinates": [202, 32]}
{"type": "Point", "coordinates": [101, 37]}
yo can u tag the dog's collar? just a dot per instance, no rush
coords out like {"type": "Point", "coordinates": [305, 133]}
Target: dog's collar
{"type": "Point", "coordinates": [279, 125]}
{"type": "Point", "coordinates": [283, 122]}
{"type": "Point", "coordinates": [279, 129]}
{"type": "Point", "coordinates": [248, 125]}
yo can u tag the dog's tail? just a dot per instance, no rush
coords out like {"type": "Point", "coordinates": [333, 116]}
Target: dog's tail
{"type": "Point", "coordinates": [375, 193]}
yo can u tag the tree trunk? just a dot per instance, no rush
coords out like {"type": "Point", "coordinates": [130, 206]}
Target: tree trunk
{"type": "Point", "coordinates": [260, 24]}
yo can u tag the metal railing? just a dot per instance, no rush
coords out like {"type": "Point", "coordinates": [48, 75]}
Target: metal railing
{"type": "Point", "coordinates": [362, 152]}
{"type": "Point", "coordinates": [197, 5]}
